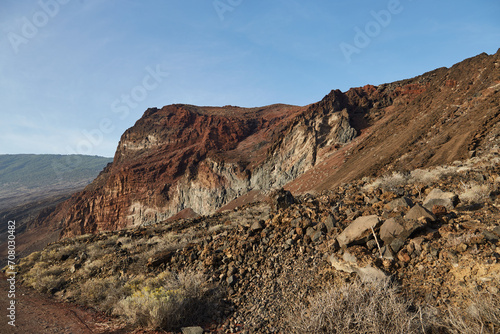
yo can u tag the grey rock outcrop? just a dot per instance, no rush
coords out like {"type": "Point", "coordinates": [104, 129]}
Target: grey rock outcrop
{"type": "Point", "coordinates": [358, 230]}
{"type": "Point", "coordinates": [398, 203]}
{"type": "Point", "coordinates": [418, 212]}
{"type": "Point", "coordinates": [395, 228]}
{"type": "Point", "coordinates": [349, 264]}
{"type": "Point", "coordinates": [438, 197]}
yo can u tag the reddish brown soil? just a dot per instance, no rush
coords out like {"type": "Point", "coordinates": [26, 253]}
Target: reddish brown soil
{"type": "Point", "coordinates": [38, 314]}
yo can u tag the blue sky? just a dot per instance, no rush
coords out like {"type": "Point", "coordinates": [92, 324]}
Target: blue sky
{"type": "Point", "coordinates": [75, 74]}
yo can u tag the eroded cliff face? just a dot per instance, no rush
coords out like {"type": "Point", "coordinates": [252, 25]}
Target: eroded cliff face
{"type": "Point", "coordinates": [200, 158]}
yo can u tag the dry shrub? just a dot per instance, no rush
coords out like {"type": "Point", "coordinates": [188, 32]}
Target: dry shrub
{"type": "Point", "coordinates": [45, 278]}
{"type": "Point", "coordinates": [474, 193]}
{"type": "Point", "coordinates": [427, 176]}
{"type": "Point", "coordinates": [92, 268]}
{"type": "Point", "coordinates": [95, 290]}
{"type": "Point", "coordinates": [184, 299]}
{"type": "Point", "coordinates": [29, 261]}
{"type": "Point", "coordinates": [374, 307]}
{"type": "Point", "coordinates": [482, 315]}
{"type": "Point", "coordinates": [388, 182]}
{"type": "Point", "coordinates": [102, 293]}
{"type": "Point", "coordinates": [95, 252]}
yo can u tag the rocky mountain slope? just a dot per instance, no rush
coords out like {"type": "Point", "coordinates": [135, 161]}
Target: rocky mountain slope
{"type": "Point", "coordinates": [388, 216]}
{"type": "Point", "coordinates": [291, 265]}
{"type": "Point", "coordinates": [199, 159]}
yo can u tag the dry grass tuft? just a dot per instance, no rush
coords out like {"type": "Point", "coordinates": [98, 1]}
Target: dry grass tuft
{"type": "Point", "coordinates": [358, 308]}
{"type": "Point", "coordinates": [482, 315]}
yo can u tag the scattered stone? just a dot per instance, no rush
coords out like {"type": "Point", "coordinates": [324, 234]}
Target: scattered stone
{"type": "Point", "coordinates": [371, 244]}
{"type": "Point", "coordinates": [462, 247]}
{"type": "Point", "coordinates": [160, 258]}
{"type": "Point", "coordinates": [403, 256]}
{"type": "Point", "coordinates": [330, 223]}
{"type": "Point", "coordinates": [310, 231]}
{"type": "Point", "coordinates": [282, 199]}
{"type": "Point", "coordinates": [387, 252]}
{"type": "Point", "coordinates": [398, 228]}
{"type": "Point", "coordinates": [398, 203]}
{"type": "Point", "coordinates": [75, 267]}
{"type": "Point", "coordinates": [257, 226]}
{"type": "Point", "coordinates": [349, 264]}
{"type": "Point", "coordinates": [418, 211]}
{"type": "Point", "coordinates": [438, 197]}
{"type": "Point", "coordinates": [439, 210]}
{"type": "Point", "coordinates": [491, 237]}
{"type": "Point", "coordinates": [192, 330]}
{"type": "Point", "coordinates": [316, 236]}
{"type": "Point", "coordinates": [358, 230]}
{"type": "Point", "coordinates": [396, 245]}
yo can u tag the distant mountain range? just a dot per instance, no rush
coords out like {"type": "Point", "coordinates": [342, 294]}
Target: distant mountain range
{"type": "Point", "coordinates": [31, 185]}
{"type": "Point", "coordinates": [24, 177]}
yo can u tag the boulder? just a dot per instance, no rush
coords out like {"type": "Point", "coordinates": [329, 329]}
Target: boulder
{"type": "Point", "coordinates": [358, 231]}
{"type": "Point", "coordinates": [418, 212]}
{"type": "Point", "coordinates": [398, 228]}
{"type": "Point", "coordinates": [160, 258]}
{"type": "Point", "coordinates": [390, 230]}
{"type": "Point", "coordinates": [398, 203]}
{"type": "Point", "coordinates": [349, 264]}
{"type": "Point", "coordinates": [330, 223]}
{"type": "Point", "coordinates": [257, 226]}
{"type": "Point", "coordinates": [438, 197]}
{"type": "Point", "coordinates": [282, 199]}
{"type": "Point", "coordinates": [439, 210]}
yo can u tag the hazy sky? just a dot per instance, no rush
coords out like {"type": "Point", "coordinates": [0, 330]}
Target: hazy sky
{"type": "Point", "coordinates": [74, 74]}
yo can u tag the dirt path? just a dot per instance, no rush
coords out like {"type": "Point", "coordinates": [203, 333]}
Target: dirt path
{"type": "Point", "coordinates": [38, 314]}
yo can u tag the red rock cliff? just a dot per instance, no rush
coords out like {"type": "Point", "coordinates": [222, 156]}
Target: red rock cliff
{"type": "Point", "coordinates": [201, 158]}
